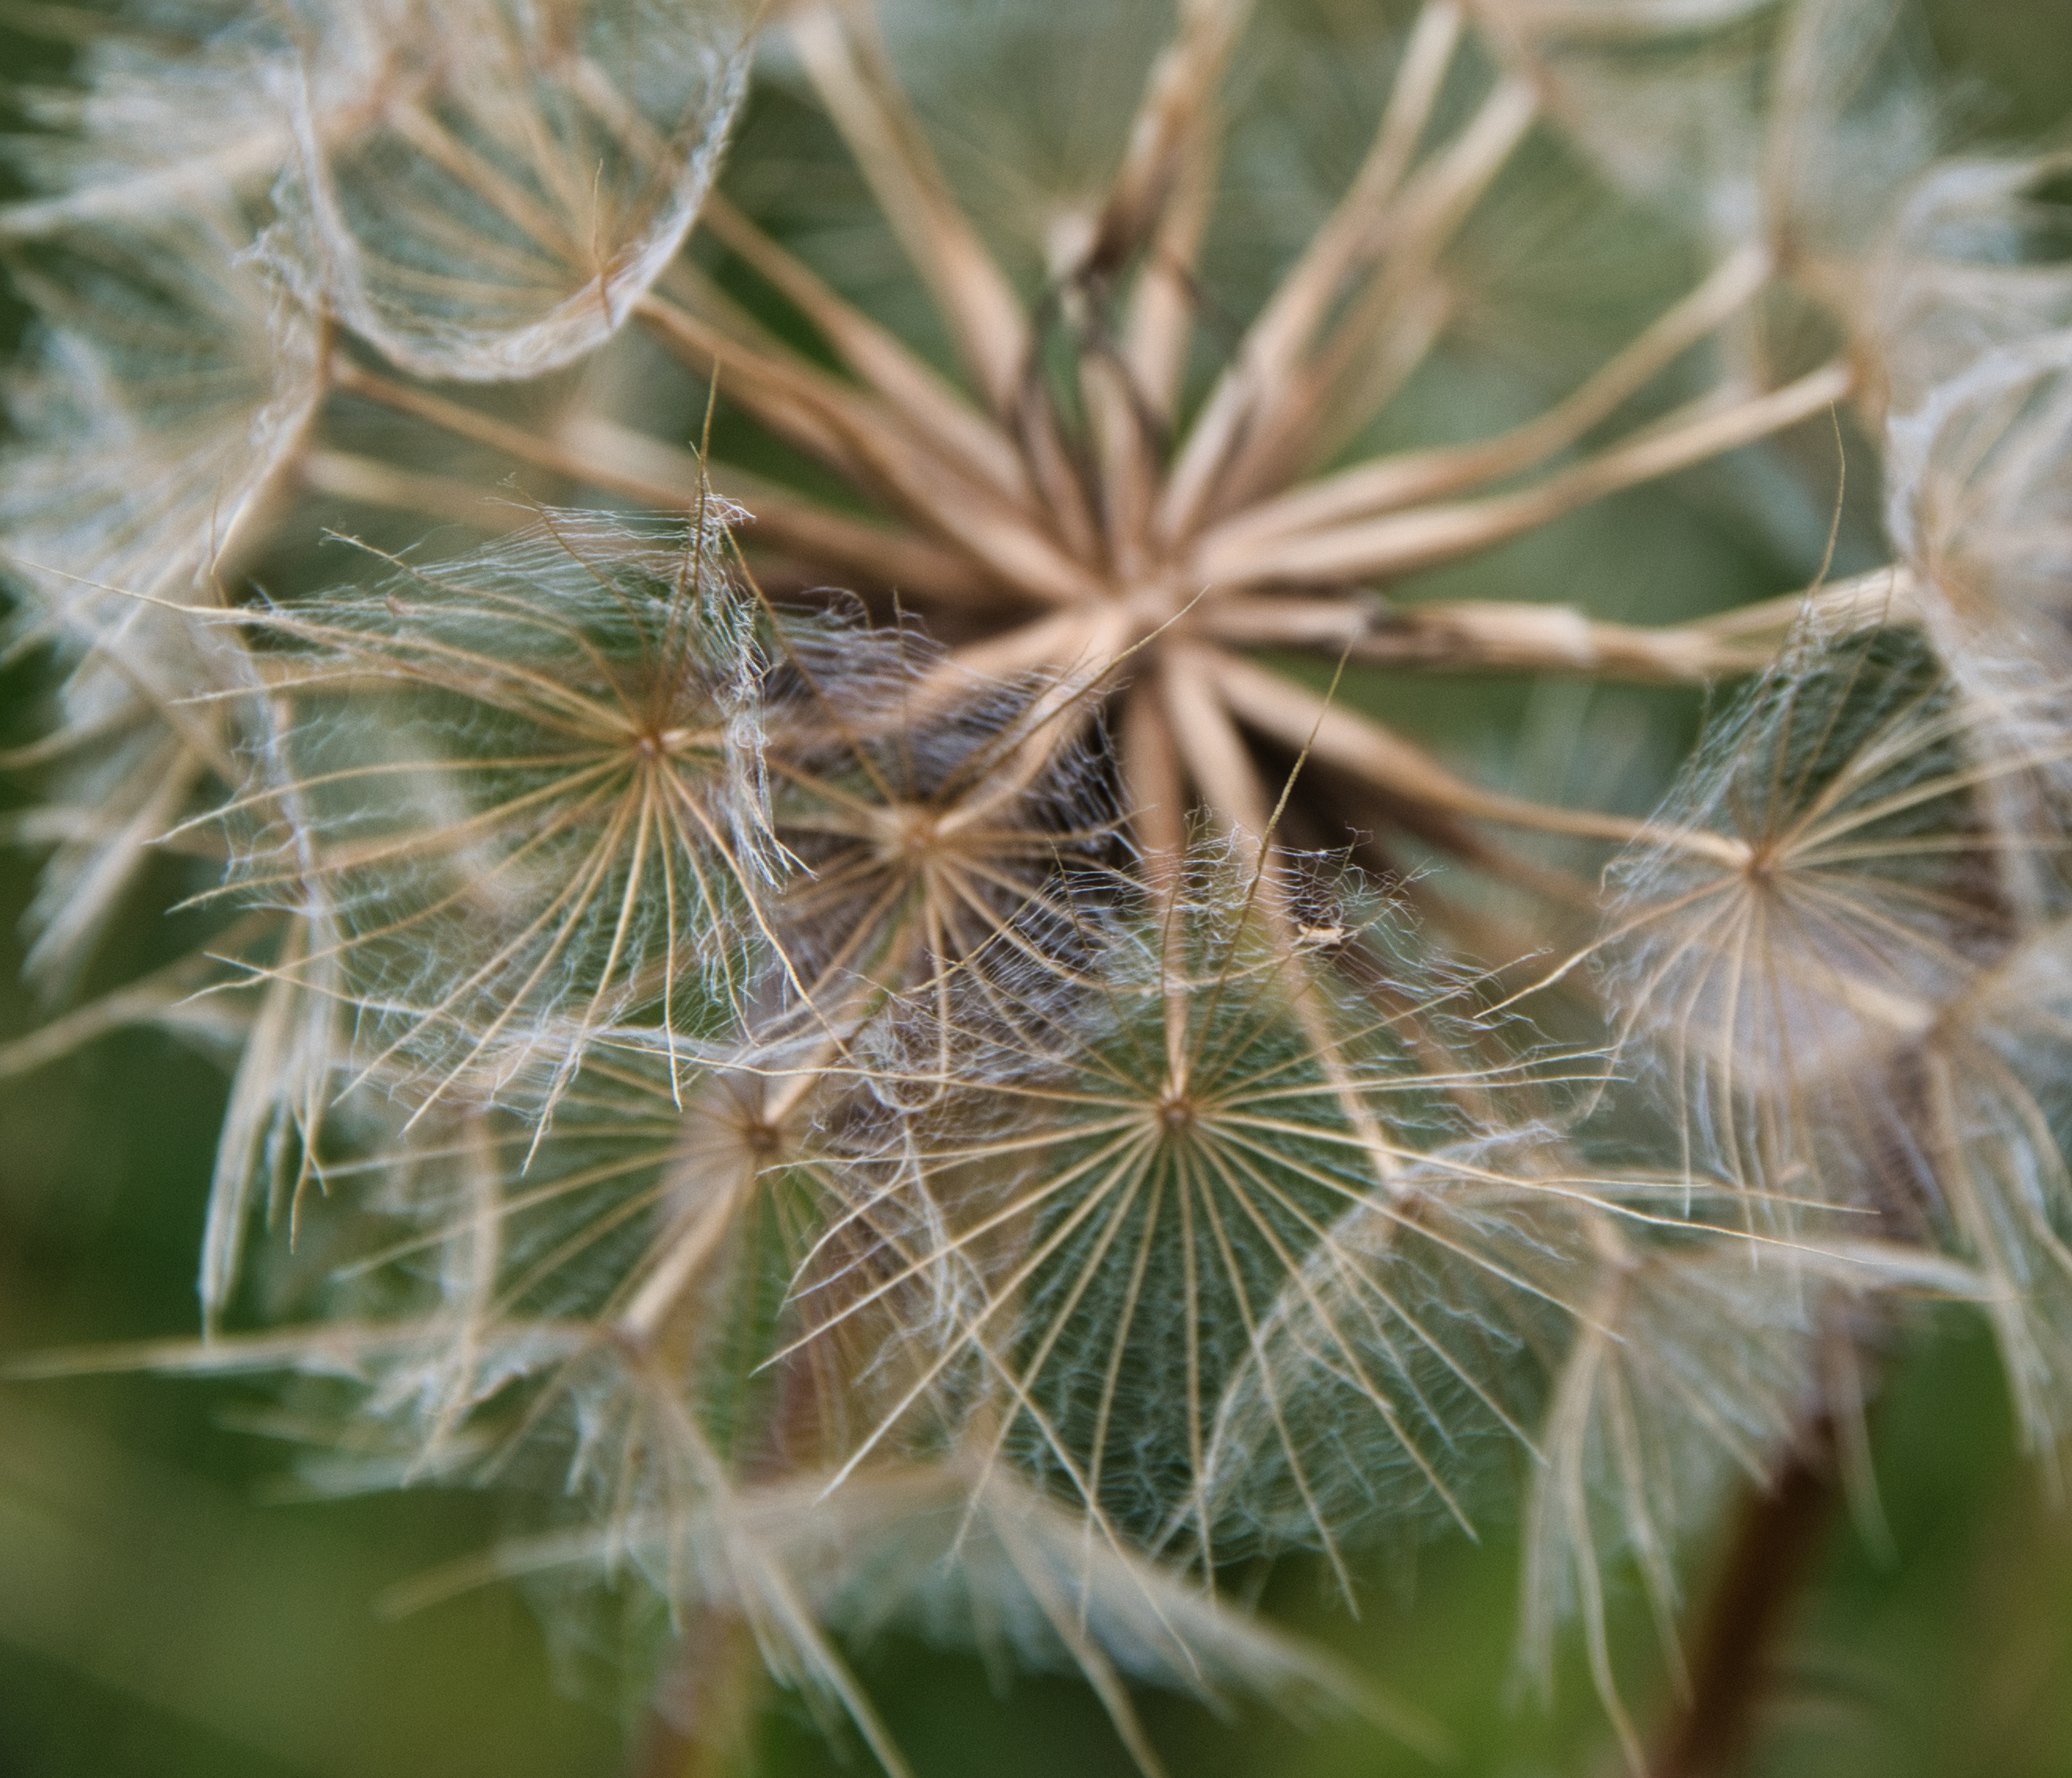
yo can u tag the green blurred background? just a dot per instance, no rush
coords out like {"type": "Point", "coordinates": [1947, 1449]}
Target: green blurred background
{"type": "Point", "coordinates": [169, 1608]}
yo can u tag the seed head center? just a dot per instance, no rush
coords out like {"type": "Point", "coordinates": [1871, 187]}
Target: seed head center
{"type": "Point", "coordinates": [911, 834]}
{"type": "Point", "coordinates": [1153, 605]}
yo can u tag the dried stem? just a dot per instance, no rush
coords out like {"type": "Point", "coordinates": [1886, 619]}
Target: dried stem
{"type": "Point", "coordinates": [1769, 1559]}
{"type": "Point", "coordinates": [702, 1725]}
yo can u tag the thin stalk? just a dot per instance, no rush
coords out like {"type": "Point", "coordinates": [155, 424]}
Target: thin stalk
{"type": "Point", "coordinates": [1477, 636]}
{"type": "Point", "coordinates": [972, 294]}
{"type": "Point", "coordinates": [1422, 537]}
{"type": "Point", "coordinates": [704, 1725]}
{"type": "Point", "coordinates": [1411, 477]}
{"type": "Point", "coordinates": [1770, 1558]}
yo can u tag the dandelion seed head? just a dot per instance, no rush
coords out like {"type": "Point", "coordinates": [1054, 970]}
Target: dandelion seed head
{"type": "Point", "coordinates": [1976, 1122]}
{"type": "Point", "coordinates": [1828, 877]}
{"type": "Point", "coordinates": [810, 1104]}
{"type": "Point", "coordinates": [1981, 499]}
{"type": "Point", "coordinates": [935, 830]}
{"type": "Point", "coordinates": [498, 213]}
{"type": "Point", "coordinates": [1132, 1184]}
{"type": "Point", "coordinates": [515, 785]}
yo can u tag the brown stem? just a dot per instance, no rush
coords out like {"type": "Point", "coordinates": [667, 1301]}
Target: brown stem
{"type": "Point", "coordinates": [1771, 1553]}
{"type": "Point", "coordinates": [703, 1721]}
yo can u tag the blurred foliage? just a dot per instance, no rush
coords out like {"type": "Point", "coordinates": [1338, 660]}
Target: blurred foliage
{"type": "Point", "coordinates": [170, 1607]}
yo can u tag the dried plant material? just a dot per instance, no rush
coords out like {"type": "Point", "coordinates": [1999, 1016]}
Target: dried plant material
{"type": "Point", "coordinates": [1111, 1192]}
{"type": "Point", "coordinates": [1399, 1367]}
{"type": "Point", "coordinates": [165, 395]}
{"type": "Point", "coordinates": [1830, 878]}
{"type": "Point", "coordinates": [1219, 517]}
{"type": "Point", "coordinates": [179, 112]}
{"type": "Point", "coordinates": [519, 177]}
{"type": "Point", "coordinates": [830, 1042]}
{"type": "Point", "coordinates": [1971, 261]}
{"type": "Point", "coordinates": [268, 1153]}
{"type": "Point", "coordinates": [932, 842]}
{"type": "Point", "coordinates": [1640, 1443]}
{"type": "Point", "coordinates": [523, 789]}
{"type": "Point", "coordinates": [1982, 498]}
{"type": "Point", "coordinates": [1001, 1565]}
{"type": "Point", "coordinates": [1986, 1123]}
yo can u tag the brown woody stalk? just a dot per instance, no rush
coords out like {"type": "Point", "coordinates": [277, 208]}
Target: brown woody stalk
{"type": "Point", "coordinates": [1771, 1556]}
